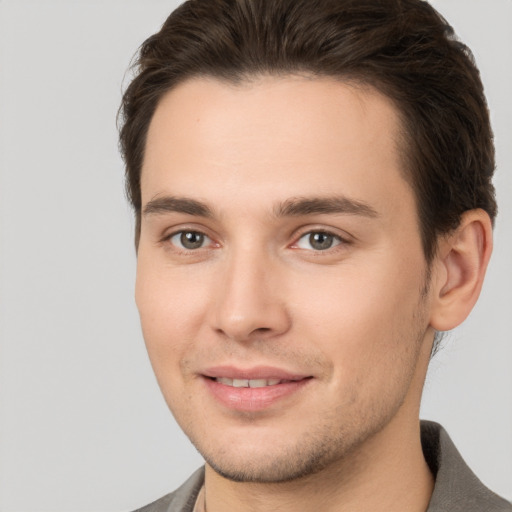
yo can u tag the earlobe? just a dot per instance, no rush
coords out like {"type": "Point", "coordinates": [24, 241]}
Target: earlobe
{"type": "Point", "coordinates": [461, 264]}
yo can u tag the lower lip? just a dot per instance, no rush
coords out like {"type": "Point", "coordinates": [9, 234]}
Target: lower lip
{"type": "Point", "coordinates": [253, 399]}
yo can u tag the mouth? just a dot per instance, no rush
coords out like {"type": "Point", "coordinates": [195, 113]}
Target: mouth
{"type": "Point", "coordinates": [253, 390]}
{"type": "Point", "coordinates": [250, 383]}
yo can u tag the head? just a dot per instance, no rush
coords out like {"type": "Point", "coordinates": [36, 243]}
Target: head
{"type": "Point", "coordinates": [308, 179]}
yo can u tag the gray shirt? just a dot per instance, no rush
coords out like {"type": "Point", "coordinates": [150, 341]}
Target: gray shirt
{"type": "Point", "coordinates": [456, 489]}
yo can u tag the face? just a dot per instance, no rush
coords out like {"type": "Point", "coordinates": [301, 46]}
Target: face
{"type": "Point", "coordinates": [281, 279]}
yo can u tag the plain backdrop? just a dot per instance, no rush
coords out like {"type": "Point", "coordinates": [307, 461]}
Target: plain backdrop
{"type": "Point", "coordinates": [83, 426]}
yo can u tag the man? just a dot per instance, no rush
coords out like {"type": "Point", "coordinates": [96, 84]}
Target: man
{"type": "Point", "coordinates": [312, 189]}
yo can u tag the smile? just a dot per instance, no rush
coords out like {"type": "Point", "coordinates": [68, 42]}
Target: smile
{"type": "Point", "coordinates": [249, 383]}
{"type": "Point", "coordinates": [255, 389]}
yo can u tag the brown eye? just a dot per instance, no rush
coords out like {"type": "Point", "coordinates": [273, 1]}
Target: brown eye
{"type": "Point", "coordinates": [189, 240]}
{"type": "Point", "coordinates": [318, 241]}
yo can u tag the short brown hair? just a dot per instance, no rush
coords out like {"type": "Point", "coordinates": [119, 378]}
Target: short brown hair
{"type": "Point", "coordinates": [403, 48]}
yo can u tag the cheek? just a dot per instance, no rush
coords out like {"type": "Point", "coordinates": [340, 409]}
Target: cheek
{"type": "Point", "coordinates": [171, 307]}
{"type": "Point", "coordinates": [357, 302]}
{"type": "Point", "coordinates": [364, 320]}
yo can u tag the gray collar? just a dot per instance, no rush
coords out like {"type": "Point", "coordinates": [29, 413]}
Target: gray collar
{"type": "Point", "coordinates": [456, 489]}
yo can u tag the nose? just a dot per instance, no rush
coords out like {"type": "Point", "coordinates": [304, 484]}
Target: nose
{"type": "Point", "coordinates": [250, 302]}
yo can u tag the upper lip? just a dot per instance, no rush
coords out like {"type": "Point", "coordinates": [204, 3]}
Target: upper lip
{"type": "Point", "coordinates": [256, 372]}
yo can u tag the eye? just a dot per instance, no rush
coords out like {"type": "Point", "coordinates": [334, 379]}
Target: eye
{"type": "Point", "coordinates": [189, 240]}
{"type": "Point", "coordinates": [318, 241]}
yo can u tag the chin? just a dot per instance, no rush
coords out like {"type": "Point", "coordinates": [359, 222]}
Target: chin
{"type": "Point", "coordinates": [272, 467]}
{"type": "Point", "coordinates": [280, 456]}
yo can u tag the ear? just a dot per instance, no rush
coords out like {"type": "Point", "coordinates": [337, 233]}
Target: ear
{"type": "Point", "coordinates": [459, 272]}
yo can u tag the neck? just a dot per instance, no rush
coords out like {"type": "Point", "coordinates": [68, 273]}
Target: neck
{"type": "Point", "coordinates": [388, 474]}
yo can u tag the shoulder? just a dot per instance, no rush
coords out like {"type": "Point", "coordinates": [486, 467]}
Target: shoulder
{"type": "Point", "coordinates": [182, 499]}
{"type": "Point", "coordinates": [456, 488]}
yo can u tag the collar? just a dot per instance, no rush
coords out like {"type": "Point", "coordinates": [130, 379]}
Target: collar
{"type": "Point", "coordinates": [456, 488]}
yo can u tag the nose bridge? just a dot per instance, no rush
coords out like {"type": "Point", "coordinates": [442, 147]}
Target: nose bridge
{"type": "Point", "coordinates": [249, 301]}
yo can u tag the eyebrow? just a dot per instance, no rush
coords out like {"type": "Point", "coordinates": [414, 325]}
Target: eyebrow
{"type": "Point", "coordinates": [170, 204]}
{"type": "Point", "coordinates": [294, 207]}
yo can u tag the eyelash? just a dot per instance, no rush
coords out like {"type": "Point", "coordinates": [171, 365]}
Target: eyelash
{"type": "Point", "coordinates": [184, 232]}
{"type": "Point", "coordinates": [336, 239]}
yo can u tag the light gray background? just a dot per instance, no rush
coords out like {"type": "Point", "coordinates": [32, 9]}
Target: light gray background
{"type": "Point", "coordinates": [83, 426]}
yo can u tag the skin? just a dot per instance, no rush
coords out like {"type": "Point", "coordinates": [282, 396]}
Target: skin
{"type": "Point", "coordinates": [357, 319]}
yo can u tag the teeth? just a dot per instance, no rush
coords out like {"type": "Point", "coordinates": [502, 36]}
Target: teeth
{"type": "Point", "coordinates": [224, 380]}
{"type": "Point", "coordinates": [258, 383]}
{"type": "Point", "coordinates": [248, 383]}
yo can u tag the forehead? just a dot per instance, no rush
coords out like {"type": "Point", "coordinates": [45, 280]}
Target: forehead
{"type": "Point", "coordinates": [283, 136]}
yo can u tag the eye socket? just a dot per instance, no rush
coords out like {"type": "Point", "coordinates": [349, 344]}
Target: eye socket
{"type": "Point", "coordinates": [189, 240]}
{"type": "Point", "coordinates": [318, 241]}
